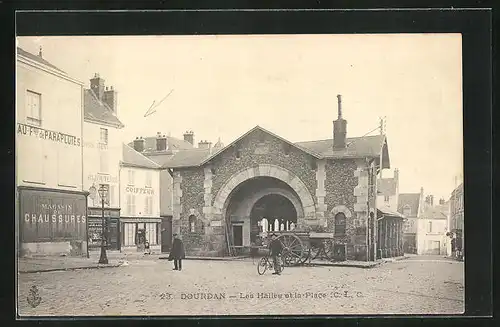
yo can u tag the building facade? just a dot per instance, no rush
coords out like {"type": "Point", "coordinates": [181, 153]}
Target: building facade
{"type": "Point", "coordinates": [102, 152]}
{"type": "Point", "coordinates": [456, 222]}
{"type": "Point", "coordinates": [432, 227]}
{"type": "Point", "coordinates": [222, 196]}
{"type": "Point", "coordinates": [410, 205]}
{"type": "Point", "coordinates": [140, 220]}
{"type": "Point", "coordinates": [388, 191]}
{"type": "Point", "coordinates": [50, 200]}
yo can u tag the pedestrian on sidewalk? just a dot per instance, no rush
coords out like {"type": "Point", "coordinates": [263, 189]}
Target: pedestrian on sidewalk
{"type": "Point", "coordinates": [177, 253]}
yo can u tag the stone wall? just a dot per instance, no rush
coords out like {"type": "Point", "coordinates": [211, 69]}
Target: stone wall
{"type": "Point", "coordinates": [260, 148]}
{"type": "Point", "coordinates": [340, 184]}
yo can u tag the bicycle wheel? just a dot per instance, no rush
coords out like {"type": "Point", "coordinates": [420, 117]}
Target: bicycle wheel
{"type": "Point", "coordinates": [262, 266]}
{"type": "Point", "coordinates": [281, 262]}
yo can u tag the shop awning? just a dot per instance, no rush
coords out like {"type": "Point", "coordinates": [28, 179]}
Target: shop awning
{"type": "Point", "coordinates": [386, 212]}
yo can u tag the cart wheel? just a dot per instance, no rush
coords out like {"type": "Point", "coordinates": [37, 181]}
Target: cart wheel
{"type": "Point", "coordinates": [316, 247]}
{"type": "Point", "coordinates": [307, 254]}
{"type": "Point", "coordinates": [262, 266]}
{"type": "Point", "coordinates": [293, 249]}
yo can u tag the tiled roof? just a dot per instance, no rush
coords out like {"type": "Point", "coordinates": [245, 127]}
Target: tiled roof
{"type": "Point", "coordinates": [173, 144]}
{"type": "Point", "coordinates": [37, 59]}
{"type": "Point", "coordinates": [98, 111]}
{"type": "Point", "coordinates": [366, 146]}
{"type": "Point", "coordinates": [385, 211]}
{"type": "Point", "coordinates": [387, 186]}
{"type": "Point", "coordinates": [432, 212]}
{"type": "Point", "coordinates": [160, 158]}
{"type": "Point", "coordinates": [135, 159]}
{"type": "Point", "coordinates": [187, 158]}
{"type": "Point", "coordinates": [411, 199]}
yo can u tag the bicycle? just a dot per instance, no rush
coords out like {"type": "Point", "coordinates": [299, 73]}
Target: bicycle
{"type": "Point", "coordinates": [266, 262]}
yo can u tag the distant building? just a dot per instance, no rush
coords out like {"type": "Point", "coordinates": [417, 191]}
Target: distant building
{"type": "Point", "coordinates": [431, 228]}
{"type": "Point", "coordinates": [410, 205]}
{"type": "Point", "coordinates": [456, 223]}
{"type": "Point", "coordinates": [388, 191]}
{"type": "Point", "coordinates": [51, 207]}
{"type": "Point", "coordinates": [102, 152]}
{"type": "Point", "coordinates": [140, 219]}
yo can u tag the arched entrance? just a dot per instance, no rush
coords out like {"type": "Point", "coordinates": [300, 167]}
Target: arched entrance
{"type": "Point", "coordinates": [260, 204]}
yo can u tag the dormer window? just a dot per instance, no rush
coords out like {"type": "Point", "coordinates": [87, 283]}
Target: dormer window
{"type": "Point", "coordinates": [407, 210]}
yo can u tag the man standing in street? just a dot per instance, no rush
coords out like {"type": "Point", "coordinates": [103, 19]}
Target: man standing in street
{"type": "Point", "coordinates": [276, 247]}
{"type": "Point", "coordinates": [177, 253]}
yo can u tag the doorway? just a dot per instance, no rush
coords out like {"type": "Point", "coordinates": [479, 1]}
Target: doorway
{"type": "Point", "coordinates": [166, 234]}
{"type": "Point", "coordinates": [238, 235]}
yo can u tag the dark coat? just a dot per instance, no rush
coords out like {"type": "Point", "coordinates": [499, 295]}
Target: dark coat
{"type": "Point", "coordinates": [177, 251]}
{"type": "Point", "coordinates": [276, 246]}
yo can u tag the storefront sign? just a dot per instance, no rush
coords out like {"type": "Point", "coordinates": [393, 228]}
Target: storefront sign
{"type": "Point", "coordinates": [95, 233]}
{"type": "Point", "coordinates": [102, 179]}
{"type": "Point", "coordinates": [45, 134]}
{"type": "Point", "coordinates": [50, 215]}
{"type": "Point", "coordinates": [139, 190]}
{"type": "Point", "coordinates": [94, 212]}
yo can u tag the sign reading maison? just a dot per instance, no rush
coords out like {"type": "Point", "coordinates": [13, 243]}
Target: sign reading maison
{"type": "Point", "coordinates": [48, 135]}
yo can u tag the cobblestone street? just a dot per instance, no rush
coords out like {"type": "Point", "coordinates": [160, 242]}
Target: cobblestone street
{"type": "Point", "coordinates": [419, 285]}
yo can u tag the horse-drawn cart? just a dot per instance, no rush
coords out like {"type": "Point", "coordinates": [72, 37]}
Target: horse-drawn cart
{"type": "Point", "coordinates": [302, 246]}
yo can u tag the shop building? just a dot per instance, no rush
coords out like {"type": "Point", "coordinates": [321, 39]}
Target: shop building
{"type": "Point", "coordinates": [220, 196]}
{"type": "Point", "coordinates": [140, 220]}
{"type": "Point", "coordinates": [50, 206]}
{"type": "Point", "coordinates": [102, 152]}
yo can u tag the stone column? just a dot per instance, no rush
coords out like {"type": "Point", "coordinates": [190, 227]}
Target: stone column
{"type": "Point", "coordinates": [320, 192]}
{"type": "Point", "coordinates": [361, 194]}
{"type": "Point", "coordinates": [207, 196]}
{"type": "Point", "coordinates": [176, 206]}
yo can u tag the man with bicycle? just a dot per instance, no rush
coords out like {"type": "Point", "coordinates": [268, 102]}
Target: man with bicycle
{"type": "Point", "coordinates": [275, 247]}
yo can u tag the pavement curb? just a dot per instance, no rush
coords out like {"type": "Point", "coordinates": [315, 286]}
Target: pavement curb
{"type": "Point", "coordinates": [210, 258]}
{"type": "Point", "coordinates": [344, 265]}
{"type": "Point", "coordinates": [67, 269]}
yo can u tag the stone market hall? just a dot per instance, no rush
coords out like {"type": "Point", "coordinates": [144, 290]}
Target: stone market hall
{"type": "Point", "coordinates": [224, 196]}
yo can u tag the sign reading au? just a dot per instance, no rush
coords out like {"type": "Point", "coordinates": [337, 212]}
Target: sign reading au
{"type": "Point", "coordinates": [45, 134]}
{"type": "Point", "coordinates": [49, 216]}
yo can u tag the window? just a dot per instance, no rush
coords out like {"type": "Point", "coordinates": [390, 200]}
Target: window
{"type": "Point", "coordinates": [386, 198]}
{"type": "Point", "coordinates": [148, 208]}
{"type": "Point", "coordinates": [104, 136]}
{"type": "Point", "coordinates": [149, 179]}
{"type": "Point", "coordinates": [429, 227]}
{"type": "Point", "coordinates": [33, 108]}
{"type": "Point", "coordinates": [340, 223]}
{"type": "Point", "coordinates": [131, 177]}
{"type": "Point", "coordinates": [129, 234]}
{"type": "Point", "coordinates": [131, 204]}
{"type": "Point", "coordinates": [103, 160]}
{"type": "Point", "coordinates": [151, 234]}
{"type": "Point", "coordinates": [406, 210]}
{"type": "Point", "coordinates": [192, 221]}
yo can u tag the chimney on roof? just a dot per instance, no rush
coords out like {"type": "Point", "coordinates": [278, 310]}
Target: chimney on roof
{"type": "Point", "coordinates": [339, 128]}
{"type": "Point", "coordinates": [441, 201]}
{"type": "Point", "coordinates": [40, 52]}
{"type": "Point", "coordinates": [161, 142]}
{"type": "Point", "coordinates": [109, 98]}
{"type": "Point", "coordinates": [189, 137]}
{"type": "Point", "coordinates": [204, 145]}
{"type": "Point", "coordinates": [97, 85]}
{"type": "Point", "coordinates": [139, 144]}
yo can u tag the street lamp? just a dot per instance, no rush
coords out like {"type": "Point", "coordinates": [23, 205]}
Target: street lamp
{"type": "Point", "coordinates": [103, 192]}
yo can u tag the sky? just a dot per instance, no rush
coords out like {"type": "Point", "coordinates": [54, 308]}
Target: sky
{"type": "Point", "coordinates": [223, 85]}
